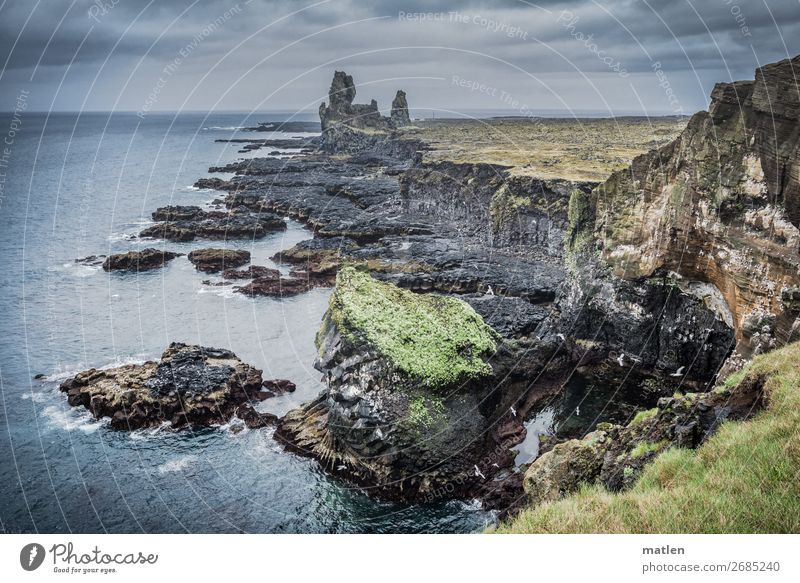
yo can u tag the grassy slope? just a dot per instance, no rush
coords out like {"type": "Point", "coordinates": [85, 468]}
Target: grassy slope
{"type": "Point", "coordinates": [745, 479]}
{"type": "Point", "coordinates": [435, 339]}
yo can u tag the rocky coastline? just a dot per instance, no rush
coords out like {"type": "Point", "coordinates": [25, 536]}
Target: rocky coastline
{"type": "Point", "coordinates": [467, 295]}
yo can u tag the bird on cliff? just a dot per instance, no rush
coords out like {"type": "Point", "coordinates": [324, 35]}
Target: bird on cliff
{"type": "Point", "coordinates": [560, 337]}
{"type": "Point", "coordinates": [578, 411]}
{"type": "Point", "coordinates": [513, 411]}
{"type": "Point", "coordinates": [478, 473]}
{"type": "Point", "coordinates": [489, 291]}
{"type": "Point", "coordinates": [678, 373]}
{"type": "Point", "coordinates": [621, 359]}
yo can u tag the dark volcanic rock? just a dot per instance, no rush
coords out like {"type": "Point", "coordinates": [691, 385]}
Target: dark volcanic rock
{"type": "Point", "coordinates": [190, 385]}
{"type": "Point", "coordinates": [92, 260]}
{"type": "Point", "coordinates": [213, 260]}
{"type": "Point", "coordinates": [399, 115]}
{"type": "Point", "coordinates": [409, 434]}
{"type": "Point", "coordinates": [185, 223]}
{"type": "Point", "coordinates": [252, 272]}
{"type": "Point", "coordinates": [272, 286]}
{"type": "Point", "coordinates": [139, 260]}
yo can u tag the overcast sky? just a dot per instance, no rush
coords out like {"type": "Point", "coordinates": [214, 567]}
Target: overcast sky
{"type": "Point", "coordinates": [615, 56]}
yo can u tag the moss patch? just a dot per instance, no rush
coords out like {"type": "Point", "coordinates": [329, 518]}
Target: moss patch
{"type": "Point", "coordinates": [642, 416]}
{"type": "Point", "coordinates": [433, 339]}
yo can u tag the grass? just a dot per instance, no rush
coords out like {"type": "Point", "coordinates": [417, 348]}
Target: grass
{"type": "Point", "coordinates": [572, 149]}
{"type": "Point", "coordinates": [435, 340]}
{"type": "Point", "coordinates": [744, 479]}
{"type": "Point", "coordinates": [643, 416]}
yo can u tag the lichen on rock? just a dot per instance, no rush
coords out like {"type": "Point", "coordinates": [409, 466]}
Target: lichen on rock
{"type": "Point", "coordinates": [435, 340]}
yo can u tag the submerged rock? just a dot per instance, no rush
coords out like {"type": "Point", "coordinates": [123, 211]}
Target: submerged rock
{"type": "Point", "coordinates": [213, 260]}
{"type": "Point", "coordinates": [139, 260]}
{"type": "Point", "coordinates": [189, 385]}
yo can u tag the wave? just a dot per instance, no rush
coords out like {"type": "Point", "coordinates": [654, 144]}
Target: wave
{"type": "Point", "coordinates": [177, 464]}
{"type": "Point", "coordinates": [224, 128]}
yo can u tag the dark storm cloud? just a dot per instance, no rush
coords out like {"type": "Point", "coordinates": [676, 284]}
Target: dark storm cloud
{"type": "Point", "coordinates": [125, 45]}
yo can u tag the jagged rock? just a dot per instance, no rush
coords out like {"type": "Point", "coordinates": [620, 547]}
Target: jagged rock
{"type": "Point", "coordinates": [399, 115]}
{"type": "Point", "coordinates": [213, 260]}
{"type": "Point", "coordinates": [139, 260]}
{"type": "Point", "coordinates": [190, 385]}
{"type": "Point", "coordinates": [353, 127]}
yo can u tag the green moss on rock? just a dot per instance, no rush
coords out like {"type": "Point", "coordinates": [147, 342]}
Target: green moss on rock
{"type": "Point", "coordinates": [435, 340]}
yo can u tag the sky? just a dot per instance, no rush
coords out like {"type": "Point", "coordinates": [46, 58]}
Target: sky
{"type": "Point", "coordinates": [510, 56]}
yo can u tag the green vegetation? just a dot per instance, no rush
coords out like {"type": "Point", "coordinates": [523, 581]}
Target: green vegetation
{"type": "Point", "coordinates": [643, 416]}
{"type": "Point", "coordinates": [645, 447]}
{"type": "Point", "coordinates": [505, 206]}
{"type": "Point", "coordinates": [572, 149]}
{"type": "Point", "coordinates": [433, 339]}
{"type": "Point", "coordinates": [581, 215]}
{"type": "Point", "coordinates": [742, 480]}
{"type": "Point", "coordinates": [425, 412]}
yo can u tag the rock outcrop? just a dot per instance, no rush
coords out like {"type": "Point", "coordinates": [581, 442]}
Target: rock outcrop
{"type": "Point", "coordinates": [348, 126]}
{"type": "Point", "coordinates": [215, 260]}
{"type": "Point", "coordinates": [416, 387]}
{"type": "Point", "coordinates": [139, 260]}
{"type": "Point", "coordinates": [714, 213]}
{"type": "Point", "coordinates": [189, 386]}
{"type": "Point", "coordinates": [399, 116]}
{"type": "Point", "coordinates": [615, 455]}
{"type": "Point", "coordinates": [186, 223]}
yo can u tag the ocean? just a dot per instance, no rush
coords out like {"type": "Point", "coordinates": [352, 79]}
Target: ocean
{"type": "Point", "coordinates": [79, 185]}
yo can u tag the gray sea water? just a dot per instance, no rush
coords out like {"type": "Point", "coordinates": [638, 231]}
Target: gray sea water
{"type": "Point", "coordinates": [74, 186]}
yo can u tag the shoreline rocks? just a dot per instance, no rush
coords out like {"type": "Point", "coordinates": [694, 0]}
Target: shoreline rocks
{"type": "Point", "coordinates": [189, 386]}
{"type": "Point", "coordinates": [186, 223]}
{"type": "Point", "coordinates": [215, 260]}
{"type": "Point", "coordinates": [143, 260]}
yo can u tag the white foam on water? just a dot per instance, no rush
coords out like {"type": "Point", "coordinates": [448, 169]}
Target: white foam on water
{"type": "Point", "coordinates": [72, 419]}
{"type": "Point", "coordinates": [150, 432]}
{"type": "Point", "coordinates": [37, 397]}
{"type": "Point", "coordinates": [223, 291]}
{"type": "Point", "coordinates": [177, 464]}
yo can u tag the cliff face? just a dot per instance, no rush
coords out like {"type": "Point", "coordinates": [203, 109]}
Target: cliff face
{"type": "Point", "coordinates": [716, 211]}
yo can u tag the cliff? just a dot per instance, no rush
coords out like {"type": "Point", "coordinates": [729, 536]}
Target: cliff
{"type": "Point", "coordinates": [716, 212]}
